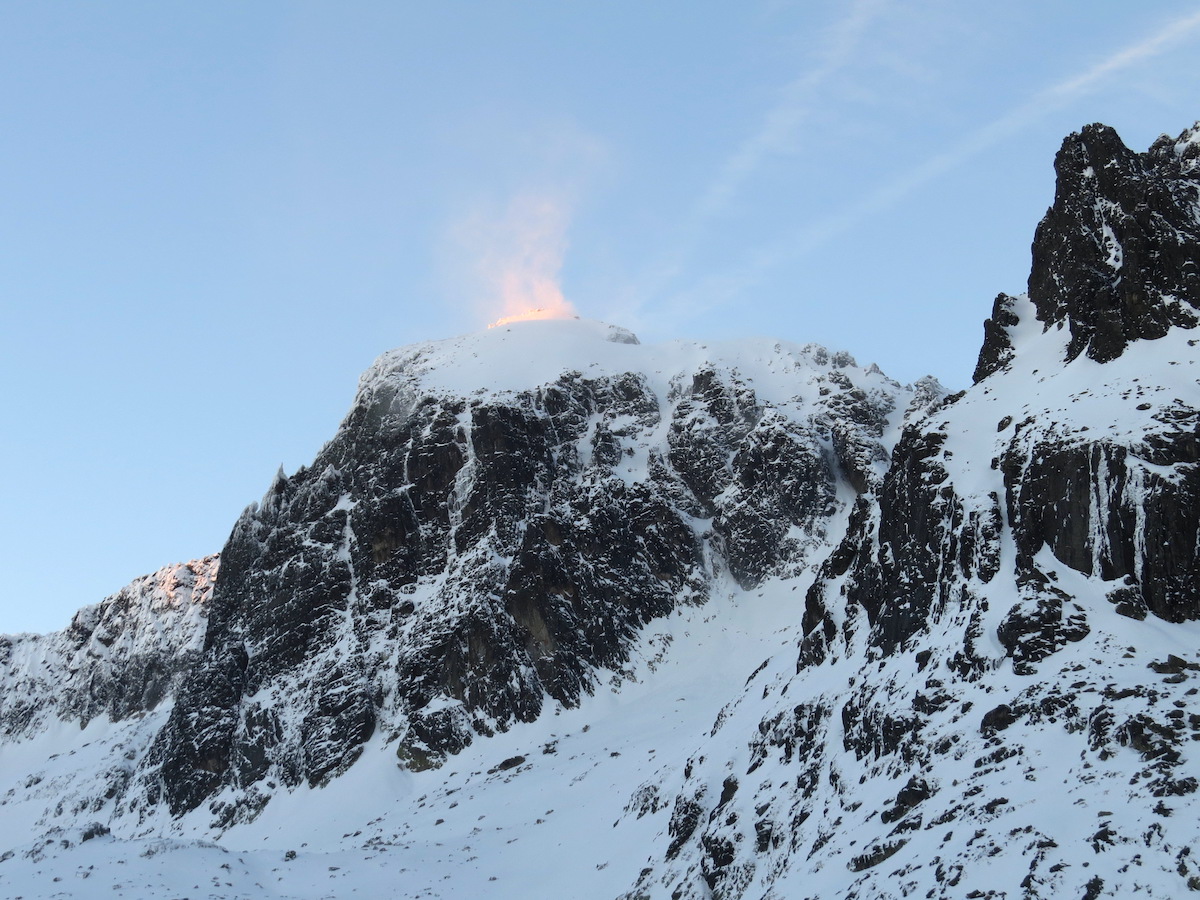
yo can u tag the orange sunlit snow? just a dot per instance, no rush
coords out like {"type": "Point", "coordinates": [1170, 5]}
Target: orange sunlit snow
{"type": "Point", "coordinates": [529, 295]}
{"type": "Point", "coordinates": [539, 313]}
{"type": "Point", "coordinates": [520, 260]}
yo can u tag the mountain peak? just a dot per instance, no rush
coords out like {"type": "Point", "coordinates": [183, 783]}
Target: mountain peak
{"type": "Point", "coordinates": [1185, 149]}
{"type": "Point", "coordinates": [1117, 256]}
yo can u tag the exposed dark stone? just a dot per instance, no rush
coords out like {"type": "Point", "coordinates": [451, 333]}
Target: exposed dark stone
{"type": "Point", "coordinates": [718, 855]}
{"type": "Point", "coordinates": [1147, 533]}
{"type": "Point", "coordinates": [875, 856]}
{"type": "Point", "coordinates": [685, 817]}
{"type": "Point", "coordinates": [914, 793]}
{"type": "Point", "coordinates": [796, 737]}
{"type": "Point", "coordinates": [1095, 887]}
{"type": "Point", "coordinates": [997, 349]}
{"type": "Point", "coordinates": [94, 830]}
{"type": "Point", "coordinates": [779, 480]}
{"type": "Point", "coordinates": [998, 719]}
{"type": "Point", "coordinates": [1041, 624]}
{"type": "Point", "coordinates": [872, 731]}
{"type": "Point", "coordinates": [342, 720]}
{"type": "Point", "coordinates": [1128, 601]}
{"type": "Point", "coordinates": [193, 753]}
{"type": "Point", "coordinates": [1117, 256]}
{"type": "Point", "coordinates": [924, 536]}
{"type": "Point", "coordinates": [1174, 665]}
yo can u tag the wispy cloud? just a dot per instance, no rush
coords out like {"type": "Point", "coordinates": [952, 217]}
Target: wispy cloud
{"type": "Point", "coordinates": [725, 287]}
{"type": "Point", "coordinates": [778, 134]}
{"type": "Point", "coordinates": [781, 126]}
{"type": "Point", "coordinates": [509, 261]}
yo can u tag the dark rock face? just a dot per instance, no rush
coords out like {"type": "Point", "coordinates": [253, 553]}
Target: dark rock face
{"type": "Point", "coordinates": [997, 349]}
{"type": "Point", "coordinates": [1117, 256]}
{"type": "Point", "coordinates": [1039, 626]}
{"type": "Point", "coordinates": [929, 543]}
{"type": "Point", "coordinates": [447, 565]}
{"type": "Point", "coordinates": [1102, 511]}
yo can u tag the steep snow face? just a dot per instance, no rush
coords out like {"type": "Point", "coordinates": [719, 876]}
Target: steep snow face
{"type": "Point", "coordinates": [118, 658]}
{"type": "Point", "coordinates": [496, 519]}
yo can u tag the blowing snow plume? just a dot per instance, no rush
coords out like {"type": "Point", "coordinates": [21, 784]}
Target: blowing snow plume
{"type": "Point", "coordinates": [520, 256]}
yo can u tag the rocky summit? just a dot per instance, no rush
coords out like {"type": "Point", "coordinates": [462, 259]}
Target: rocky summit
{"type": "Point", "coordinates": [558, 613]}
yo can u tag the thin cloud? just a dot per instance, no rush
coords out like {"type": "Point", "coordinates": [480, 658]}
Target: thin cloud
{"type": "Point", "coordinates": [776, 135]}
{"type": "Point", "coordinates": [782, 123]}
{"type": "Point", "coordinates": [726, 287]}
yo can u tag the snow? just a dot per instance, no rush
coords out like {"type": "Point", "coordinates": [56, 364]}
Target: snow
{"type": "Point", "coordinates": [578, 803]}
{"type": "Point", "coordinates": [542, 828]}
{"type": "Point", "coordinates": [1115, 401]}
{"type": "Point", "coordinates": [524, 356]}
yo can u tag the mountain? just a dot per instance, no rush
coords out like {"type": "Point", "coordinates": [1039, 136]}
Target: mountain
{"type": "Point", "coordinates": [556, 613]}
{"type": "Point", "coordinates": [495, 520]}
{"type": "Point", "coordinates": [116, 659]}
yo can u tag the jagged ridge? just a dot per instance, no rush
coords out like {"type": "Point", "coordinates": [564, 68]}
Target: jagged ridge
{"type": "Point", "coordinates": [117, 658]}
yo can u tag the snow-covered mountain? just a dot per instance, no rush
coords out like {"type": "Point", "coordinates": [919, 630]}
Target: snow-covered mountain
{"type": "Point", "coordinates": [457, 558]}
{"type": "Point", "coordinates": [556, 613]}
{"type": "Point", "coordinates": [117, 658]}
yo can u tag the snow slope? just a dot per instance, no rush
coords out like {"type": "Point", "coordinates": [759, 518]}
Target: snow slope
{"type": "Point", "coordinates": [543, 827]}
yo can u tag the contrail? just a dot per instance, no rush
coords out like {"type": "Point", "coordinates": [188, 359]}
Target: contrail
{"type": "Point", "coordinates": [984, 138]}
{"type": "Point", "coordinates": [776, 135]}
{"type": "Point", "coordinates": [782, 121]}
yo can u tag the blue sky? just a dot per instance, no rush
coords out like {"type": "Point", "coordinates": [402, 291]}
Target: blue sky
{"type": "Point", "coordinates": [214, 215]}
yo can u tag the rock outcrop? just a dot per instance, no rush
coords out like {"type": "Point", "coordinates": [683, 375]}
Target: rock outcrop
{"type": "Point", "coordinates": [1117, 257]}
{"type": "Point", "coordinates": [452, 562]}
